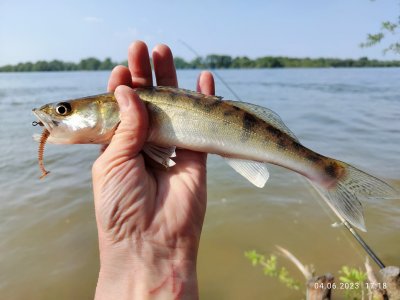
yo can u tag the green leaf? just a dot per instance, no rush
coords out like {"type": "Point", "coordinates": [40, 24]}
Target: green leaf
{"type": "Point", "coordinates": [254, 257]}
{"type": "Point", "coordinates": [344, 279]}
{"type": "Point", "coordinates": [270, 266]}
{"type": "Point", "coordinates": [389, 26]}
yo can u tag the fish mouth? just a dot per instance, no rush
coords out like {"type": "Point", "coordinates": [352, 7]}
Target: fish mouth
{"type": "Point", "coordinates": [44, 119]}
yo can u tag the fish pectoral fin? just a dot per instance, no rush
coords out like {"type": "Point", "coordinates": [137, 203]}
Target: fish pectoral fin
{"type": "Point", "coordinates": [255, 172]}
{"type": "Point", "coordinates": [264, 114]}
{"type": "Point", "coordinates": [160, 154]}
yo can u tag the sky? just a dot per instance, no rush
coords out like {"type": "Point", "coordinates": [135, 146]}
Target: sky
{"type": "Point", "coordinates": [76, 29]}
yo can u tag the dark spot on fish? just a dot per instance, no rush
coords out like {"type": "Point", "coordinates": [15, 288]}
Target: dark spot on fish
{"type": "Point", "coordinates": [249, 122]}
{"type": "Point", "coordinates": [215, 104]}
{"type": "Point", "coordinates": [274, 131]}
{"type": "Point", "coordinates": [55, 122]}
{"type": "Point", "coordinates": [313, 157]}
{"type": "Point", "coordinates": [332, 170]}
{"type": "Point", "coordinates": [230, 112]}
{"type": "Point", "coordinates": [173, 95]}
{"type": "Point", "coordinates": [282, 143]}
{"type": "Point", "coordinates": [296, 145]}
{"type": "Point", "coordinates": [207, 105]}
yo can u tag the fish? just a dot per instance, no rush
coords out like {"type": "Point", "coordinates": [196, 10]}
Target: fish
{"type": "Point", "coordinates": [247, 136]}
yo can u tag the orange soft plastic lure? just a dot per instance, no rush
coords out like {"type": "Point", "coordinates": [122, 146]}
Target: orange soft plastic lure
{"type": "Point", "coordinates": [42, 143]}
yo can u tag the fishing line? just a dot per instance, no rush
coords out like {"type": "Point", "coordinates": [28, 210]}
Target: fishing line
{"type": "Point", "coordinates": [363, 244]}
{"type": "Point", "coordinates": [326, 209]}
{"type": "Point", "coordinates": [214, 71]}
{"type": "Point", "coordinates": [359, 239]}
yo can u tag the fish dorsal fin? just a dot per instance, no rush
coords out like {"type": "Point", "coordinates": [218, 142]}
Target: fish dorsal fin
{"type": "Point", "coordinates": [255, 172]}
{"type": "Point", "coordinates": [183, 92]}
{"type": "Point", "coordinates": [265, 114]}
{"type": "Point", "coordinates": [160, 154]}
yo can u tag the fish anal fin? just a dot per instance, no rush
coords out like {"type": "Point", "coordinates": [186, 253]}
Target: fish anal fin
{"type": "Point", "coordinates": [255, 172]}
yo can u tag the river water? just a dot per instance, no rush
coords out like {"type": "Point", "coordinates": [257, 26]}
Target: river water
{"type": "Point", "coordinates": [48, 240]}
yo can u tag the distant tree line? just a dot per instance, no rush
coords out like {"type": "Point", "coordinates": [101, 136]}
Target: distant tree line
{"type": "Point", "coordinates": [212, 61]}
{"type": "Point", "coordinates": [215, 61]}
{"type": "Point", "coordinates": [89, 64]}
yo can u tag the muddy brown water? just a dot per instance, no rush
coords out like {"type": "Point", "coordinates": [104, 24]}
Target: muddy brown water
{"type": "Point", "coordinates": [48, 239]}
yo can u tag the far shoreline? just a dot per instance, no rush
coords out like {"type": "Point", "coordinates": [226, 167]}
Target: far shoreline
{"type": "Point", "coordinates": [212, 62]}
{"type": "Point", "coordinates": [209, 69]}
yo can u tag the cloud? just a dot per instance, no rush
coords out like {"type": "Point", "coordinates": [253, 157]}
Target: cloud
{"type": "Point", "coordinates": [92, 20]}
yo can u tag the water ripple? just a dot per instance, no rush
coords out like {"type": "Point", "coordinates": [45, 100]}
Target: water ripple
{"type": "Point", "coordinates": [48, 226]}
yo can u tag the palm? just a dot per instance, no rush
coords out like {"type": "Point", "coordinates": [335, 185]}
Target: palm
{"type": "Point", "coordinates": [171, 203]}
{"type": "Point", "coordinates": [153, 204]}
{"type": "Point", "coordinates": [182, 194]}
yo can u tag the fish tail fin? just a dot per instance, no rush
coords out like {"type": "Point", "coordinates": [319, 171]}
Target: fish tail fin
{"type": "Point", "coordinates": [352, 186]}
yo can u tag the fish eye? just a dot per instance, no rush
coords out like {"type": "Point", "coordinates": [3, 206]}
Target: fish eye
{"type": "Point", "coordinates": [63, 108]}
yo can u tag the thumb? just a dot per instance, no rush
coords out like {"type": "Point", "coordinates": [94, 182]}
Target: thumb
{"type": "Point", "coordinates": [131, 133]}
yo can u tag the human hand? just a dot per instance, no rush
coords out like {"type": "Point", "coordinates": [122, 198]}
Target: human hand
{"type": "Point", "coordinates": [149, 220]}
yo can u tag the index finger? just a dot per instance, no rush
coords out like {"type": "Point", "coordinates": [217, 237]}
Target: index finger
{"type": "Point", "coordinates": [120, 75]}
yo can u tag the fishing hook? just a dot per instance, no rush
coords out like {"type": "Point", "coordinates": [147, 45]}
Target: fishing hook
{"type": "Point", "coordinates": [35, 123]}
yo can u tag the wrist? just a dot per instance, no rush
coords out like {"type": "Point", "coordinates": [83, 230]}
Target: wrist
{"type": "Point", "coordinates": [148, 271]}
